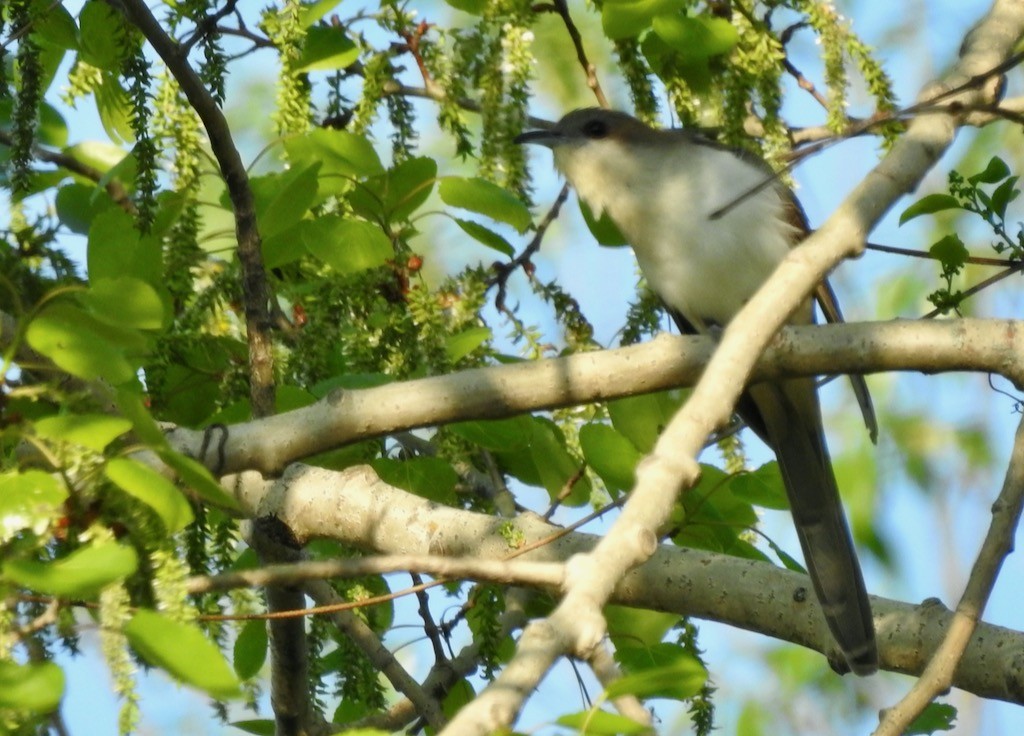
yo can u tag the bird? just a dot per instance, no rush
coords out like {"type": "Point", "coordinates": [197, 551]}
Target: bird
{"type": "Point", "coordinates": [709, 224]}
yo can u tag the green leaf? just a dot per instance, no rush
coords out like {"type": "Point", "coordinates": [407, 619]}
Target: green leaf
{"type": "Point", "coordinates": [408, 186]}
{"type": "Point", "coordinates": [53, 22]}
{"type": "Point", "coordinates": [667, 62]}
{"type": "Point", "coordinates": [97, 154]}
{"type": "Point", "coordinates": [286, 246]}
{"type": "Point", "coordinates": [935, 717]}
{"type": "Point", "coordinates": [951, 253]}
{"type": "Point", "coordinates": [217, 221]}
{"type": "Point", "coordinates": [198, 478]}
{"type": "Point", "coordinates": [637, 629]}
{"type": "Point", "coordinates": [603, 229]}
{"type": "Point", "coordinates": [78, 204]}
{"type": "Point", "coordinates": [473, 7]}
{"type": "Point", "coordinates": [680, 679]}
{"type": "Point", "coordinates": [788, 561]}
{"type": "Point", "coordinates": [762, 487]}
{"type": "Point", "coordinates": [350, 381]}
{"type": "Point", "coordinates": [347, 246]}
{"type": "Point", "coordinates": [30, 500]}
{"type": "Point", "coordinates": [481, 196]}
{"type": "Point", "coordinates": [486, 236]}
{"type": "Point", "coordinates": [696, 39]}
{"type": "Point", "coordinates": [602, 723]}
{"type": "Point", "coordinates": [396, 194]}
{"type": "Point", "coordinates": [1003, 195]}
{"type": "Point", "coordinates": [311, 12]}
{"type": "Point", "coordinates": [94, 41]}
{"type": "Point", "coordinates": [125, 301]}
{"type": "Point", "coordinates": [250, 649]}
{"type": "Point", "coordinates": [461, 344]}
{"type": "Point", "coordinates": [282, 199]}
{"type": "Point", "coordinates": [81, 574]}
{"type": "Point", "coordinates": [183, 651]}
{"type": "Point", "coordinates": [53, 129]}
{"type": "Point", "coordinates": [290, 398]}
{"type": "Point", "coordinates": [130, 404]}
{"type": "Point", "coordinates": [79, 344]}
{"type": "Point", "coordinates": [37, 687]}
{"type": "Point", "coordinates": [521, 464]}
{"type": "Point", "coordinates": [714, 518]}
{"type": "Point", "coordinates": [114, 108]}
{"type": "Point", "coordinates": [929, 204]}
{"type": "Point", "coordinates": [459, 695]}
{"type": "Point", "coordinates": [148, 486]}
{"type": "Point", "coordinates": [327, 47]}
{"type": "Point", "coordinates": [427, 477]}
{"type": "Point", "coordinates": [496, 435]}
{"type": "Point", "coordinates": [341, 155]}
{"type": "Point", "coordinates": [94, 431]}
{"type": "Point", "coordinates": [754, 720]}
{"type": "Point", "coordinates": [610, 455]}
{"type": "Point", "coordinates": [642, 418]}
{"type": "Point", "coordinates": [627, 18]}
{"type": "Point", "coordinates": [556, 466]}
{"type": "Point", "coordinates": [257, 726]}
{"type": "Point", "coordinates": [117, 250]}
{"type": "Point", "coordinates": [996, 170]}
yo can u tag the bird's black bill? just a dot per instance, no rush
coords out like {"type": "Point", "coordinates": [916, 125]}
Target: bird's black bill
{"type": "Point", "coordinates": [539, 137]}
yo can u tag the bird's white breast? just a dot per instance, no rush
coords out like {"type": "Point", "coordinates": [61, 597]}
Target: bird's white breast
{"type": "Point", "coordinates": [662, 196]}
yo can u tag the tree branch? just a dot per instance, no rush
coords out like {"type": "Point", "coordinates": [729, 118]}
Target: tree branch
{"type": "Point", "coordinates": [504, 572]}
{"type": "Point", "coordinates": [346, 416]}
{"type": "Point", "coordinates": [356, 507]}
{"type": "Point", "coordinates": [113, 186]}
{"type": "Point", "coordinates": [290, 696]}
{"type": "Point", "coordinates": [255, 289]}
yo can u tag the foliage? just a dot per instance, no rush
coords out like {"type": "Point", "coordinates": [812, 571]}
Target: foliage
{"type": "Point", "coordinates": [968, 195]}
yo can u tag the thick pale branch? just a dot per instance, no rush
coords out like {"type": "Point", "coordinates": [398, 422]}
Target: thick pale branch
{"type": "Point", "coordinates": [356, 507]}
{"type": "Point", "coordinates": [268, 445]}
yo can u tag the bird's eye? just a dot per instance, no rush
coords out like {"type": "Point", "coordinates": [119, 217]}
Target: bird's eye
{"type": "Point", "coordinates": [595, 129]}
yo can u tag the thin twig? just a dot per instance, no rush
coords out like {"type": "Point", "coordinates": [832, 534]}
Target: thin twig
{"type": "Point", "coordinates": [996, 278]}
{"type": "Point", "coordinates": [938, 676]}
{"type": "Point", "coordinates": [565, 492]}
{"type": "Point", "coordinates": [113, 186]}
{"type": "Point", "coordinates": [977, 260]}
{"type": "Point", "coordinates": [255, 289]}
{"type": "Point", "coordinates": [504, 270]}
{"type": "Point", "coordinates": [562, 8]}
{"type": "Point", "coordinates": [429, 625]}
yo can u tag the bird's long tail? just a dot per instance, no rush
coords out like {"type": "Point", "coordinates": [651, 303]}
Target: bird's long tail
{"type": "Point", "coordinates": [789, 419]}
